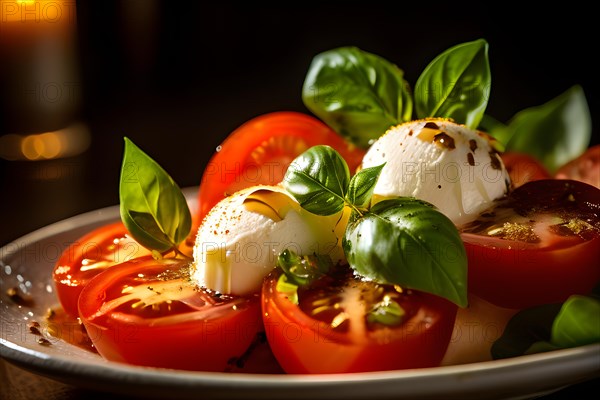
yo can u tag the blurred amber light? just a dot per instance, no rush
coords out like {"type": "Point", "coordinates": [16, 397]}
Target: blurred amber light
{"type": "Point", "coordinates": [65, 142]}
{"type": "Point", "coordinates": [37, 10]}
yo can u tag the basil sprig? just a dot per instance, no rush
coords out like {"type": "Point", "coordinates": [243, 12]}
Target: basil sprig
{"type": "Point", "coordinates": [319, 179]}
{"type": "Point", "coordinates": [359, 94]}
{"type": "Point", "coordinates": [456, 84]}
{"type": "Point", "coordinates": [400, 241]}
{"type": "Point", "coordinates": [555, 132]}
{"type": "Point", "coordinates": [408, 242]}
{"type": "Point", "coordinates": [153, 208]}
{"type": "Point", "coordinates": [302, 270]}
{"type": "Point", "coordinates": [576, 322]}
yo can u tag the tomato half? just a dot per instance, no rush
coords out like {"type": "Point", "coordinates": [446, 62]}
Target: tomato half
{"type": "Point", "coordinates": [523, 168]}
{"type": "Point", "coordinates": [260, 150]}
{"type": "Point", "coordinates": [93, 253]}
{"type": "Point", "coordinates": [329, 331]}
{"type": "Point", "coordinates": [585, 168]}
{"type": "Point", "coordinates": [87, 257]}
{"type": "Point", "coordinates": [538, 246]}
{"type": "Point", "coordinates": [148, 312]}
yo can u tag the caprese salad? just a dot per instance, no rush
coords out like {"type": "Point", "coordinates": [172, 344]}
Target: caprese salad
{"type": "Point", "coordinates": [364, 238]}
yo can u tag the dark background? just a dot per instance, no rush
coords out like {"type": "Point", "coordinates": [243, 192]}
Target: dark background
{"type": "Point", "coordinates": [176, 77]}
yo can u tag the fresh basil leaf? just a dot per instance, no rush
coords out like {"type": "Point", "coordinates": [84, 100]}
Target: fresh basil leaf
{"type": "Point", "coordinates": [525, 328]}
{"type": "Point", "coordinates": [387, 312]}
{"type": "Point", "coordinates": [456, 84]}
{"type": "Point", "coordinates": [555, 132]}
{"type": "Point", "coordinates": [408, 242]}
{"type": "Point", "coordinates": [362, 185]}
{"type": "Point", "coordinates": [577, 324]}
{"type": "Point", "coordinates": [359, 94]}
{"type": "Point", "coordinates": [318, 179]}
{"type": "Point", "coordinates": [288, 288]}
{"type": "Point", "coordinates": [152, 207]}
{"type": "Point", "coordinates": [302, 270]}
{"type": "Point", "coordinates": [498, 130]}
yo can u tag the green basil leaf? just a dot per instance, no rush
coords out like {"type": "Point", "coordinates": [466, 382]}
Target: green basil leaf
{"type": "Point", "coordinates": [318, 179]}
{"type": "Point", "coordinates": [498, 130]}
{"type": "Point", "coordinates": [408, 242]}
{"type": "Point", "coordinates": [525, 328]}
{"type": "Point", "coordinates": [555, 132]}
{"type": "Point", "coordinates": [362, 185]}
{"type": "Point", "coordinates": [577, 324]}
{"type": "Point", "coordinates": [456, 84]}
{"type": "Point", "coordinates": [287, 288]}
{"type": "Point", "coordinates": [302, 270]}
{"type": "Point", "coordinates": [387, 312]}
{"type": "Point", "coordinates": [152, 207]}
{"type": "Point", "coordinates": [359, 94]}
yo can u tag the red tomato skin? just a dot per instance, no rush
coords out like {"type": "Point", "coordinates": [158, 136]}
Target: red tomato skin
{"type": "Point", "coordinates": [518, 276]}
{"type": "Point", "coordinates": [234, 166]}
{"type": "Point", "coordinates": [304, 346]}
{"type": "Point", "coordinates": [201, 345]}
{"type": "Point", "coordinates": [68, 276]}
{"type": "Point", "coordinates": [523, 168]}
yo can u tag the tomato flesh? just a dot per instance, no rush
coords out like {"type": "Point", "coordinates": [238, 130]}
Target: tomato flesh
{"type": "Point", "coordinates": [93, 253]}
{"type": "Point", "coordinates": [147, 312]}
{"type": "Point", "coordinates": [538, 246]}
{"type": "Point", "coordinates": [260, 150]}
{"type": "Point", "coordinates": [87, 257]}
{"type": "Point", "coordinates": [585, 168]}
{"type": "Point", "coordinates": [329, 332]}
{"type": "Point", "coordinates": [523, 168]}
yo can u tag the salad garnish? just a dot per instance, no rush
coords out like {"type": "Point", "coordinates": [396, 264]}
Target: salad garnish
{"type": "Point", "coordinates": [402, 241]}
{"type": "Point", "coordinates": [456, 84]}
{"type": "Point", "coordinates": [361, 95]}
{"type": "Point", "coordinates": [408, 242]}
{"type": "Point", "coordinates": [320, 180]}
{"type": "Point", "coordinates": [300, 270]}
{"type": "Point", "coordinates": [554, 132]}
{"type": "Point", "coordinates": [153, 208]}
{"type": "Point", "coordinates": [551, 327]}
{"type": "Point", "coordinates": [357, 93]}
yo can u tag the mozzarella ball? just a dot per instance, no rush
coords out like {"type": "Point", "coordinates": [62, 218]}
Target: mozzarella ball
{"type": "Point", "coordinates": [241, 237]}
{"type": "Point", "coordinates": [449, 165]}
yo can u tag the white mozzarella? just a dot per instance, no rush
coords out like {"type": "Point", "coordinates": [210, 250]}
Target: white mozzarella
{"type": "Point", "coordinates": [449, 165]}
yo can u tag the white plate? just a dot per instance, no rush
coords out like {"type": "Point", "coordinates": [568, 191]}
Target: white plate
{"type": "Point", "coordinates": [29, 261]}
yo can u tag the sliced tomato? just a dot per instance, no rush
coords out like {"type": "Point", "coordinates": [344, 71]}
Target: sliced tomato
{"type": "Point", "coordinates": [260, 150]}
{"type": "Point", "coordinates": [87, 257]}
{"type": "Point", "coordinates": [585, 168]}
{"type": "Point", "coordinates": [148, 312]}
{"type": "Point", "coordinates": [538, 246]}
{"type": "Point", "coordinates": [330, 329]}
{"type": "Point", "coordinates": [93, 253]}
{"type": "Point", "coordinates": [523, 168]}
